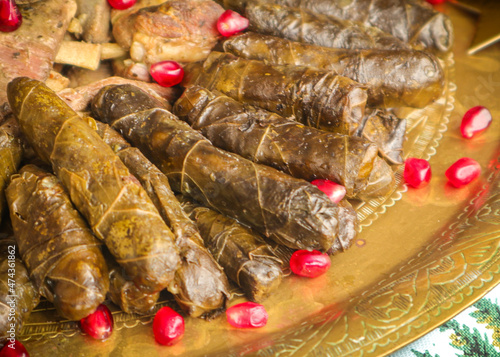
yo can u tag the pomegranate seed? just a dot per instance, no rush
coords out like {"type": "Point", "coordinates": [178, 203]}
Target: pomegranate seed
{"type": "Point", "coordinates": [309, 263]}
{"type": "Point", "coordinates": [333, 190]}
{"type": "Point", "coordinates": [168, 326]}
{"type": "Point", "coordinates": [99, 324]}
{"type": "Point", "coordinates": [436, 2]}
{"type": "Point", "coordinates": [121, 4]}
{"type": "Point", "coordinates": [167, 73]}
{"type": "Point", "coordinates": [230, 23]}
{"type": "Point", "coordinates": [475, 120]}
{"type": "Point", "coordinates": [15, 349]}
{"type": "Point", "coordinates": [247, 315]}
{"type": "Point", "coordinates": [463, 171]}
{"type": "Point", "coordinates": [417, 172]}
{"type": "Point", "coordinates": [10, 17]}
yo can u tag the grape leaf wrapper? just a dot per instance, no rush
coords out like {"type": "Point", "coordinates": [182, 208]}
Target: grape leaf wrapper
{"type": "Point", "coordinates": [317, 98]}
{"type": "Point", "coordinates": [16, 290]}
{"type": "Point", "coordinates": [200, 286]}
{"type": "Point", "coordinates": [269, 139]}
{"type": "Point", "coordinates": [63, 258]}
{"type": "Point", "coordinates": [291, 211]}
{"type": "Point", "coordinates": [246, 258]}
{"type": "Point", "coordinates": [101, 187]}
{"type": "Point", "coordinates": [393, 78]}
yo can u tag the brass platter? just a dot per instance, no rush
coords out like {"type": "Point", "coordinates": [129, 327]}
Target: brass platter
{"type": "Point", "coordinates": [422, 255]}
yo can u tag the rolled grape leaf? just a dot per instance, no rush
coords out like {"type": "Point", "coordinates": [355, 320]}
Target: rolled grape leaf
{"type": "Point", "coordinates": [246, 258]}
{"type": "Point", "coordinates": [18, 295]}
{"type": "Point", "coordinates": [200, 286]}
{"type": "Point", "coordinates": [269, 139]}
{"type": "Point", "coordinates": [111, 199]}
{"type": "Point", "coordinates": [305, 26]}
{"type": "Point", "coordinates": [412, 21]}
{"type": "Point", "coordinates": [387, 131]}
{"type": "Point", "coordinates": [317, 98]}
{"type": "Point", "coordinates": [393, 78]}
{"type": "Point", "coordinates": [290, 211]}
{"type": "Point", "coordinates": [63, 258]}
{"type": "Point", "coordinates": [11, 152]}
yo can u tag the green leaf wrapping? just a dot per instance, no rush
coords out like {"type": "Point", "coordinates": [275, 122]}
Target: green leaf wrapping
{"type": "Point", "coordinates": [288, 210]}
{"type": "Point", "coordinates": [305, 26]}
{"type": "Point", "coordinates": [200, 286]}
{"type": "Point", "coordinates": [317, 98]}
{"type": "Point", "coordinates": [412, 21]}
{"type": "Point", "coordinates": [393, 78]}
{"type": "Point", "coordinates": [62, 256]}
{"type": "Point", "coordinates": [246, 258]}
{"type": "Point", "coordinates": [11, 153]}
{"type": "Point", "coordinates": [111, 199]}
{"type": "Point", "coordinates": [26, 295]}
{"type": "Point", "coordinates": [269, 139]}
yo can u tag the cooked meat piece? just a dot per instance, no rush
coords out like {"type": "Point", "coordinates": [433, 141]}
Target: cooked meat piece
{"type": "Point", "coordinates": [183, 31]}
{"type": "Point", "coordinates": [94, 15]}
{"type": "Point", "coordinates": [131, 70]}
{"type": "Point", "coordinates": [31, 49]}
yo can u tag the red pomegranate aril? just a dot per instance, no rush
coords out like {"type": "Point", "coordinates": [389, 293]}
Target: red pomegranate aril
{"type": "Point", "coordinates": [247, 315]}
{"type": "Point", "coordinates": [168, 326]}
{"type": "Point", "coordinates": [417, 172]}
{"type": "Point", "coordinates": [436, 2]}
{"type": "Point", "coordinates": [309, 264]}
{"type": "Point", "coordinates": [10, 17]}
{"type": "Point", "coordinates": [475, 120]}
{"type": "Point", "coordinates": [230, 23]}
{"type": "Point", "coordinates": [167, 73]}
{"type": "Point", "coordinates": [121, 4]}
{"type": "Point", "coordinates": [99, 324]}
{"type": "Point", "coordinates": [15, 349]}
{"type": "Point", "coordinates": [463, 171]}
{"type": "Point", "coordinates": [333, 190]}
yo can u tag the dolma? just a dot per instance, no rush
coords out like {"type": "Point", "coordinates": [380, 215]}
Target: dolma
{"type": "Point", "coordinates": [305, 26]}
{"type": "Point", "coordinates": [412, 21]}
{"type": "Point", "coordinates": [247, 259]}
{"type": "Point", "coordinates": [317, 98]}
{"type": "Point", "coordinates": [111, 199]}
{"type": "Point", "coordinates": [63, 258]}
{"type": "Point", "coordinates": [269, 139]}
{"type": "Point", "coordinates": [393, 78]}
{"type": "Point", "coordinates": [11, 152]}
{"type": "Point", "coordinates": [200, 286]}
{"type": "Point", "coordinates": [18, 295]}
{"type": "Point", "coordinates": [290, 211]}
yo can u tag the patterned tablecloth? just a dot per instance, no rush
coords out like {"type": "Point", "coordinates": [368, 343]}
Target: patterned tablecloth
{"type": "Point", "coordinates": [473, 333]}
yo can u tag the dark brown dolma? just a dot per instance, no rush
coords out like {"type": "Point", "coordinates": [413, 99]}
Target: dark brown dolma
{"type": "Point", "coordinates": [393, 78]}
{"type": "Point", "coordinates": [305, 26]}
{"type": "Point", "coordinates": [246, 258]}
{"type": "Point", "coordinates": [63, 258]}
{"type": "Point", "coordinates": [387, 131]}
{"type": "Point", "coordinates": [412, 21]}
{"type": "Point", "coordinates": [111, 199]}
{"type": "Point", "coordinates": [317, 98]}
{"type": "Point", "coordinates": [200, 286]}
{"type": "Point", "coordinates": [290, 211]}
{"type": "Point", "coordinates": [269, 139]}
{"type": "Point", "coordinates": [11, 152]}
{"type": "Point", "coordinates": [18, 296]}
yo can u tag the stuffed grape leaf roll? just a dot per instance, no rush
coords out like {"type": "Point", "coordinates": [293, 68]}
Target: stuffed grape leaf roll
{"type": "Point", "coordinates": [200, 286]}
{"type": "Point", "coordinates": [101, 187]}
{"type": "Point", "coordinates": [63, 258]}
{"type": "Point", "coordinates": [247, 259]}
{"type": "Point", "coordinates": [18, 295]}
{"type": "Point", "coordinates": [269, 139]}
{"type": "Point", "coordinates": [288, 210]}
{"type": "Point", "coordinates": [393, 78]}
{"type": "Point", "coordinates": [317, 98]}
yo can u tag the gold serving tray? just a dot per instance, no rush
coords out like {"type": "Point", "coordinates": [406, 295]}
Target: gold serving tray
{"type": "Point", "coordinates": [422, 255]}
